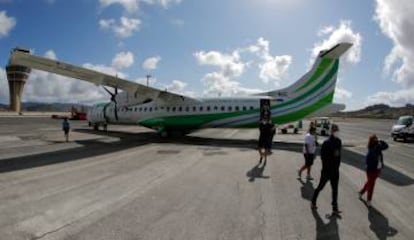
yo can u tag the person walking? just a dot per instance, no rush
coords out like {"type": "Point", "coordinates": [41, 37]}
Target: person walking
{"type": "Point", "coordinates": [309, 148]}
{"type": "Point", "coordinates": [265, 139]}
{"type": "Point", "coordinates": [375, 162]}
{"type": "Point", "coordinates": [331, 160]}
{"type": "Point", "coordinates": [66, 128]}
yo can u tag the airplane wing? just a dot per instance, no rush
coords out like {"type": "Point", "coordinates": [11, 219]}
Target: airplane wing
{"type": "Point", "coordinates": [23, 57]}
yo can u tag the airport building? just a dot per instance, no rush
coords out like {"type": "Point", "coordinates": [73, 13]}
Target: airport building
{"type": "Point", "coordinates": [17, 76]}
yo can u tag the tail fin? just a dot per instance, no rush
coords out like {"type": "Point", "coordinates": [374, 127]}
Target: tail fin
{"type": "Point", "coordinates": [323, 73]}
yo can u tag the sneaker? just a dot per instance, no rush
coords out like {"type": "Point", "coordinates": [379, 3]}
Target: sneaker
{"type": "Point", "coordinates": [368, 203]}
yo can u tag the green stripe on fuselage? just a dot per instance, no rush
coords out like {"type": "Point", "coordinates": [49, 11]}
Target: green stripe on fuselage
{"type": "Point", "coordinates": [297, 115]}
{"type": "Point", "coordinates": [189, 121]}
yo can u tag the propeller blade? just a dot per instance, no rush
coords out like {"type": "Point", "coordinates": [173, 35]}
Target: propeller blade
{"type": "Point", "coordinates": [110, 93]}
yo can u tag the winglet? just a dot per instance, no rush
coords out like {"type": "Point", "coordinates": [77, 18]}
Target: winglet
{"type": "Point", "coordinates": [336, 51]}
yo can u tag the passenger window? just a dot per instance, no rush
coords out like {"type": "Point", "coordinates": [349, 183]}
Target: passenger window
{"type": "Point", "coordinates": [156, 109]}
{"type": "Point", "coordinates": [173, 109]}
{"type": "Point", "coordinates": [187, 109]}
{"type": "Point", "coordinates": [244, 108]}
{"type": "Point", "coordinates": [194, 109]}
{"type": "Point", "coordinates": [201, 109]}
{"type": "Point", "coordinates": [180, 109]}
{"type": "Point", "coordinates": [215, 108]}
{"type": "Point", "coordinates": [145, 109]}
{"type": "Point", "coordinates": [140, 109]}
{"type": "Point", "coordinates": [230, 109]}
{"type": "Point", "coordinates": [208, 108]}
{"type": "Point", "coordinates": [251, 108]}
{"type": "Point", "coordinates": [223, 108]}
{"type": "Point", "coordinates": [237, 108]}
{"type": "Point", "coordinates": [168, 109]}
{"type": "Point", "coordinates": [150, 109]}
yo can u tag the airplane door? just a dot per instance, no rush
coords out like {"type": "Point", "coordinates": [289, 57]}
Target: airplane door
{"type": "Point", "coordinates": [265, 112]}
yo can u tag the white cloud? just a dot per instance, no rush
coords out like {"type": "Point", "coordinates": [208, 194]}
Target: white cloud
{"type": "Point", "coordinates": [272, 68]}
{"type": "Point", "coordinates": [178, 86]}
{"type": "Point", "coordinates": [275, 69]}
{"type": "Point", "coordinates": [133, 5]}
{"type": "Point", "coordinates": [151, 63]}
{"type": "Point", "coordinates": [51, 55]}
{"type": "Point", "coordinates": [128, 5]}
{"type": "Point", "coordinates": [6, 24]}
{"type": "Point", "coordinates": [123, 60]}
{"type": "Point", "coordinates": [124, 28]}
{"type": "Point", "coordinates": [220, 85]}
{"type": "Point", "coordinates": [230, 65]}
{"type": "Point", "coordinates": [341, 94]}
{"type": "Point", "coordinates": [342, 33]}
{"type": "Point", "coordinates": [397, 98]}
{"type": "Point", "coordinates": [396, 22]}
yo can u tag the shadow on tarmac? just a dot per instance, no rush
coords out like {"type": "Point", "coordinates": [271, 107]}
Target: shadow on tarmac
{"type": "Point", "coordinates": [256, 172]}
{"type": "Point", "coordinates": [379, 224]}
{"type": "Point", "coordinates": [328, 231]}
{"type": "Point", "coordinates": [127, 140]}
{"type": "Point", "coordinates": [306, 189]}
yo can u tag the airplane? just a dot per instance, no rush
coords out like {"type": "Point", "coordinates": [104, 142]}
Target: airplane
{"type": "Point", "coordinates": [168, 112]}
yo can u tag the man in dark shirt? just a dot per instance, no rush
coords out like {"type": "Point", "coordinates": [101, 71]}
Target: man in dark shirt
{"type": "Point", "coordinates": [331, 160]}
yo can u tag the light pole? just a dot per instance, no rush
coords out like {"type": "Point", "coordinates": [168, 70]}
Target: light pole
{"type": "Point", "coordinates": [148, 77]}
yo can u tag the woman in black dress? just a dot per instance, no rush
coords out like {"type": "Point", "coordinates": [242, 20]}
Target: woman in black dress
{"type": "Point", "coordinates": [266, 128]}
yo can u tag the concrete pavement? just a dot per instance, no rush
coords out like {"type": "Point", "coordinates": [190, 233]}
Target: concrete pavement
{"type": "Point", "coordinates": [131, 184]}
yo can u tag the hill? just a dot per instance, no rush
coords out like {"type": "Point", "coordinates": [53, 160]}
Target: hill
{"type": "Point", "coordinates": [379, 111]}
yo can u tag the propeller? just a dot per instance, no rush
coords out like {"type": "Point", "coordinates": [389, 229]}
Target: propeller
{"type": "Point", "coordinates": [113, 99]}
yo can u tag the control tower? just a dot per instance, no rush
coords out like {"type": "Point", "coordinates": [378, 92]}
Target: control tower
{"type": "Point", "coordinates": [17, 76]}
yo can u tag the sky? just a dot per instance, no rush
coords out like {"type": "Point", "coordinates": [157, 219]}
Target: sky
{"type": "Point", "coordinates": [213, 48]}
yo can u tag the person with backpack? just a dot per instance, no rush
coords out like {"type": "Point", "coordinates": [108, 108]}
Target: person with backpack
{"type": "Point", "coordinates": [375, 162]}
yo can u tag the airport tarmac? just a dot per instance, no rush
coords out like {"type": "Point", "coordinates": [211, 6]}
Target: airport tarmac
{"type": "Point", "coordinates": [129, 183]}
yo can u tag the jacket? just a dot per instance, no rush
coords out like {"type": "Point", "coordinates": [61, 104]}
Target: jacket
{"type": "Point", "coordinates": [331, 154]}
{"type": "Point", "coordinates": [374, 156]}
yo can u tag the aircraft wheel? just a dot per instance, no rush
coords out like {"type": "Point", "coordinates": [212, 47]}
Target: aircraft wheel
{"type": "Point", "coordinates": [164, 134]}
{"type": "Point", "coordinates": [96, 127]}
{"type": "Point", "coordinates": [284, 131]}
{"type": "Point", "coordinates": [295, 131]}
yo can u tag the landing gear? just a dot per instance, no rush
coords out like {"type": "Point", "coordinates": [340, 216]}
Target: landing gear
{"type": "Point", "coordinates": [96, 127]}
{"type": "Point", "coordinates": [164, 134]}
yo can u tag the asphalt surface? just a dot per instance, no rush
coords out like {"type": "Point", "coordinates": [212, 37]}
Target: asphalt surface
{"type": "Point", "coordinates": [129, 183]}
